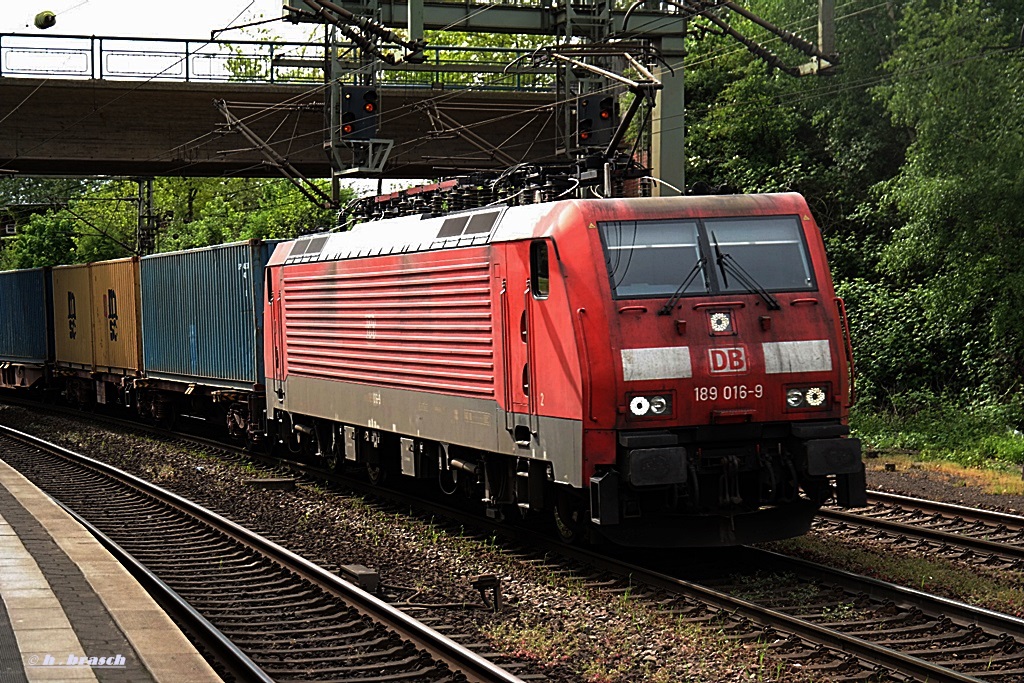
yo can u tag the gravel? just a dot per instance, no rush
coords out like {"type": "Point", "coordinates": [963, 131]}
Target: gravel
{"type": "Point", "coordinates": [943, 486]}
{"type": "Point", "coordinates": [559, 629]}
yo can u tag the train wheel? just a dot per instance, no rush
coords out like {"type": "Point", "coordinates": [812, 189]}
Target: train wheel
{"type": "Point", "coordinates": [376, 472]}
{"type": "Point", "coordinates": [570, 520]}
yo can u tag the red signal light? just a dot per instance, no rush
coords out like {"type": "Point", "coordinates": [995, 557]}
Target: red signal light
{"type": "Point", "coordinates": [605, 114]}
{"type": "Point", "coordinates": [368, 107]}
{"type": "Point", "coordinates": [346, 129]}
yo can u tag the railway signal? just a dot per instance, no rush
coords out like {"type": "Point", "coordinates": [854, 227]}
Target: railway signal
{"type": "Point", "coordinates": [358, 113]}
{"type": "Point", "coordinates": [596, 121]}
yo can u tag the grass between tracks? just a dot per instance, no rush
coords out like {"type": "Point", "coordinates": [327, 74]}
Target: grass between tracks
{"type": "Point", "coordinates": [995, 589]}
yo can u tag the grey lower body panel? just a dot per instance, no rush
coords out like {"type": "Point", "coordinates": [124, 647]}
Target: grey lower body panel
{"type": "Point", "coordinates": [471, 422]}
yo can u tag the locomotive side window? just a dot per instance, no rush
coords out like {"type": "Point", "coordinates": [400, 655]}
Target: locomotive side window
{"type": "Point", "coordinates": [539, 282]}
{"type": "Point", "coordinates": [770, 248]}
{"type": "Point", "coordinates": [651, 258]}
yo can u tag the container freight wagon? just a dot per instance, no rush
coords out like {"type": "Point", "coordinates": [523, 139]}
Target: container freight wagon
{"type": "Point", "coordinates": [202, 329]}
{"type": "Point", "coordinates": [26, 338]}
{"type": "Point", "coordinates": [98, 345]}
{"type": "Point", "coordinates": [656, 372]}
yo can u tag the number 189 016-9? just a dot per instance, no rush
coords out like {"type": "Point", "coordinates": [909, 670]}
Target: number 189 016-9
{"type": "Point", "coordinates": [728, 393]}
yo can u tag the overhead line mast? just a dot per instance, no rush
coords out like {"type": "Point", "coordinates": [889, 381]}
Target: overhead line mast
{"type": "Point", "coordinates": [599, 58]}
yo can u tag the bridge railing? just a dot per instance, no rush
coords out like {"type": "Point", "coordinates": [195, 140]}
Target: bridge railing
{"type": "Point", "coordinates": [144, 59]}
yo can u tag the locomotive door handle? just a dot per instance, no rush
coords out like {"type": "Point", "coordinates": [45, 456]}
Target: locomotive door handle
{"type": "Point", "coordinates": [506, 352]}
{"type": "Point", "coordinates": [589, 389]}
{"type": "Point", "coordinates": [844, 329]}
{"type": "Point", "coordinates": [530, 371]}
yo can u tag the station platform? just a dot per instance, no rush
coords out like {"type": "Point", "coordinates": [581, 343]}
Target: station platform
{"type": "Point", "coordinates": [69, 611]}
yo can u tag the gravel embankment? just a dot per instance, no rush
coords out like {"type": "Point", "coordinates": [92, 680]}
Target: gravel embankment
{"type": "Point", "coordinates": [568, 632]}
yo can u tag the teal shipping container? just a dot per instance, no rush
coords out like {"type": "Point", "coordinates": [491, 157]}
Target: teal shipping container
{"type": "Point", "coordinates": [25, 334]}
{"type": "Point", "coordinates": [202, 315]}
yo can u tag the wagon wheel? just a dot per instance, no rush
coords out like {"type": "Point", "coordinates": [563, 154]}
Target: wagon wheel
{"type": "Point", "coordinates": [377, 473]}
{"type": "Point", "coordinates": [570, 518]}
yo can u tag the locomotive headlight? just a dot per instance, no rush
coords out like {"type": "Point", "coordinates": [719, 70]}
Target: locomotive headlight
{"type": "Point", "coordinates": [807, 397]}
{"type": "Point", "coordinates": [639, 406]}
{"type": "Point", "coordinates": [659, 404]}
{"type": "Point", "coordinates": [815, 396]}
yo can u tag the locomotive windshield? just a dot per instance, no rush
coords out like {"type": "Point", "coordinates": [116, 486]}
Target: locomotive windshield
{"type": "Point", "coordinates": [653, 258]}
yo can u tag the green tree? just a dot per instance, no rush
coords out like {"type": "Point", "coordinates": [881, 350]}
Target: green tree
{"type": "Point", "coordinates": [957, 82]}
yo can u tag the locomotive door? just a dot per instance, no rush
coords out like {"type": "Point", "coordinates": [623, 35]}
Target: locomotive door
{"type": "Point", "coordinates": [524, 289]}
{"type": "Point", "coordinates": [275, 364]}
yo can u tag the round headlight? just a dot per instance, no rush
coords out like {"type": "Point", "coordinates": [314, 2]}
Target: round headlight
{"type": "Point", "coordinates": [794, 398]}
{"type": "Point", "coordinates": [815, 396]}
{"type": "Point", "coordinates": [720, 322]}
{"type": "Point", "coordinates": [659, 404]}
{"type": "Point", "coordinates": [639, 405]}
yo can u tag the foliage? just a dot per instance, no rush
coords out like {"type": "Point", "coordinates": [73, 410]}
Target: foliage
{"type": "Point", "coordinates": [101, 223]}
{"type": "Point", "coordinates": [958, 83]}
{"type": "Point", "coordinates": [202, 212]}
{"type": "Point", "coordinates": [983, 434]}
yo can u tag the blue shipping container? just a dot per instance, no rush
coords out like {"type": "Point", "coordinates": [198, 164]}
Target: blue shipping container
{"type": "Point", "coordinates": [202, 314]}
{"type": "Point", "coordinates": [25, 336]}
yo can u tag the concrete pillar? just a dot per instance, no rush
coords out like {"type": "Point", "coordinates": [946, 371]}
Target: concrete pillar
{"type": "Point", "coordinates": [668, 154]}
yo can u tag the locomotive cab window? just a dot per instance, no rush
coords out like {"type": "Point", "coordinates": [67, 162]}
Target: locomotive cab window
{"type": "Point", "coordinates": [539, 282]}
{"type": "Point", "coordinates": [770, 249]}
{"type": "Point", "coordinates": [665, 258]}
{"type": "Point", "coordinates": [652, 258]}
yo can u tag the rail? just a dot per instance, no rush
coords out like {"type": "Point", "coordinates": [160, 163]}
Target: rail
{"type": "Point", "coordinates": [113, 58]}
{"type": "Point", "coordinates": [229, 541]}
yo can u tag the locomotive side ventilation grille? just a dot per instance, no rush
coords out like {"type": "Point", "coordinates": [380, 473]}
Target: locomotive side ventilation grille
{"type": "Point", "coordinates": [426, 328]}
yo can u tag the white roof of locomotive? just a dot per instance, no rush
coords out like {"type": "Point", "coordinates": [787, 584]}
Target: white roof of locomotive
{"type": "Point", "coordinates": [408, 234]}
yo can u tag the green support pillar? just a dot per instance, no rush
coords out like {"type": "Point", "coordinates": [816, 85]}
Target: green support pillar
{"type": "Point", "coordinates": [668, 153]}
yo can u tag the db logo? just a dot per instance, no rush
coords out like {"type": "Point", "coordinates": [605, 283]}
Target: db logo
{"type": "Point", "coordinates": [728, 360]}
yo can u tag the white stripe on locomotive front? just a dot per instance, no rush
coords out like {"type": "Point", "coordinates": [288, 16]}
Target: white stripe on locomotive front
{"type": "Point", "coordinates": [666, 362]}
{"type": "Point", "coordinates": [797, 356]}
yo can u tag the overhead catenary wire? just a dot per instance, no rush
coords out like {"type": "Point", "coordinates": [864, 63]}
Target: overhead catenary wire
{"type": "Point", "coordinates": [294, 138]}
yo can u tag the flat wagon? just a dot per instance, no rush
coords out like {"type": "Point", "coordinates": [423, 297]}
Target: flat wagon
{"type": "Point", "coordinates": [202, 332]}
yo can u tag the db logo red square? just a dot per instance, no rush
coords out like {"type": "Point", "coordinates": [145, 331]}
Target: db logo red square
{"type": "Point", "coordinates": [728, 360]}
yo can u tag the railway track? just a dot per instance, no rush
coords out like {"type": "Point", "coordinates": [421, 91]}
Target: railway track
{"type": "Point", "coordinates": [964, 533]}
{"type": "Point", "coordinates": [294, 620]}
{"type": "Point", "coordinates": [839, 625]}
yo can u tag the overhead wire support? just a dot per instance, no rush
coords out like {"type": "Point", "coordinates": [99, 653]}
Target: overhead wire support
{"type": "Point", "coordinates": [705, 9]}
{"type": "Point", "coordinates": [643, 90]}
{"type": "Point", "coordinates": [303, 184]}
{"type": "Point", "coordinates": [344, 20]}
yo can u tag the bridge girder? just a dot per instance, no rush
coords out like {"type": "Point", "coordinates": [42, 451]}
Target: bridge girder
{"type": "Point", "coordinates": [100, 127]}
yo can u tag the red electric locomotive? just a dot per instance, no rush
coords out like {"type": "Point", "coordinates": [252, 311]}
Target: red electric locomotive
{"type": "Point", "coordinates": [655, 371]}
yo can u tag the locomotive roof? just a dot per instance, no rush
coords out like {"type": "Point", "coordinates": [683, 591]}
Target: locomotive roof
{"type": "Point", "coordinates": [424, 232]}
{"type": "Point", "coordinates": [408, 234]}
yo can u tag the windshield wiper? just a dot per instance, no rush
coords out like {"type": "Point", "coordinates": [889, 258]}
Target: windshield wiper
{"type": "Point", "coordinates": [727, 263]}
{"type": "Point", "coordinates": [674, 299]}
